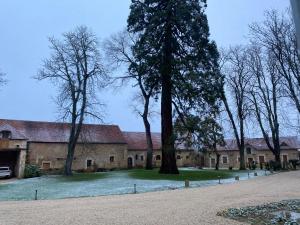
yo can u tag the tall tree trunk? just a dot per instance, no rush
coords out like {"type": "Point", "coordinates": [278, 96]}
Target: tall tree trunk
{"type": "Point", "coordinates": [240, 140]}
{"type": "Point", "coordinates": [242, 146]}
{"type": "Point", "coordinates": [168, 165]}
{"type": "Point", "coordinates": [69, 160]}
{"type": "Point", "coordinates": [149, 165]}
{"type": "Point", "coordinates": [217, 161]}
{"type": "Point", "coordinates": [242, 157]}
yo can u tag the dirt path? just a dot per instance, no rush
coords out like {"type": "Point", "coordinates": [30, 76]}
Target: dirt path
{"type": "Point", "coordinates": [178, 207]}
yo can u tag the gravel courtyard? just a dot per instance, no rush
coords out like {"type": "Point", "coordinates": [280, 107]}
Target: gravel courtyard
{"type": "Point", "coordinates": [177, 207]}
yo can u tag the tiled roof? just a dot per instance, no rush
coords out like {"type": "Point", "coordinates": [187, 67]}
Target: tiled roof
{"type": "Point", "coordinates": [59, 132]}
{"type": "Point", "coordinates": [260, 144]}
{"type": "Point", "coordinates": [15, 134]}
{"type": "Point", "coordinates": [138, 141]}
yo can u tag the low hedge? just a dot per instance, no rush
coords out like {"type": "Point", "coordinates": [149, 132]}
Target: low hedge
{"type": "Point", "coordinates": [32, 171]}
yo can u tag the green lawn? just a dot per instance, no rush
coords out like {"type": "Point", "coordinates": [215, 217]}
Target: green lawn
{"type": "Point", "coordinates": [77, 177]}
{"type": "Point", "coordinates": [192, 175]}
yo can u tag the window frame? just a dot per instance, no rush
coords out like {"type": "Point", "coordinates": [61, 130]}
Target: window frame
{"type": "Point", "coordinates": [247, 152]}
{"type": "Point", "coordinates": [5, 134]}
{"type": "Point", "coordinates": [47, 162]}
{"type": "Point", "coordinates": [86, 163]}
{"type": "Point", "coordinates": [227, 159]}
{"type": "Point", "coordinates": [111, 159]}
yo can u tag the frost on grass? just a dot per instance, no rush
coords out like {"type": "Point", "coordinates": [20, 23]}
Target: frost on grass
{"type": "Point", "coordinates": [278, 213]}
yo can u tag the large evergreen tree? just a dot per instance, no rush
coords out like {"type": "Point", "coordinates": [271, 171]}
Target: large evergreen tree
{"type": "Point", "coordinates": [174, 39]}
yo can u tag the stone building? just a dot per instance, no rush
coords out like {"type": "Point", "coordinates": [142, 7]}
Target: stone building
{"type": "Point", "coordinates": [103, 147]}
{"type": "Point", "coordinates": [256, 150]}
{"type": "Point", "coordinates": [137, 150]}
{"type": "Point", "coordinates": [99, 147]}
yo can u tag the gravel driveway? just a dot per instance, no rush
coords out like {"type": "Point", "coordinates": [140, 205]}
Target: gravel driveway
{"type": "Point", "coordinates": [177, 207]}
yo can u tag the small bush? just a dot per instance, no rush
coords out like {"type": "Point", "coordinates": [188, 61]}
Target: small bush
{"type": "Point", "coordinates": [267, 166]}
{"type": "Point", "coordinates": [32, 171]}
{"type": "Point", "coordinates": [275, 165]}
{"type": "Point", "coordinates": [294, 163]}
{"type": "Point", "coordinates": [230, 168]}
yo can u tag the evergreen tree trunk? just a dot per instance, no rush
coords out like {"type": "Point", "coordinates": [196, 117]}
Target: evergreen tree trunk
{"type": "Point", "coordinates": [168, 165]}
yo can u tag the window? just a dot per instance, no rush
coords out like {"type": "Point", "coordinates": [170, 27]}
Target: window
{"type": "Point", "coordinates": [89, 163]}
{"type": "Point", "coordinates": [136, 157]}
{"type": "Point", "coordinates": [46, 165]}
{"type": "Point", "coordinates": [248, 150]}
{"type": "Point", "coordinates": [187, 157]}
{"type": "Point", "coordinates": [111, 159]}
{"type": "Point", "coordinates": [238, 159]}
{"type": "Point", "coordinates": [6, 134]}
{"type": "Point", "coordinates": [225, 159]}
{"type": "Point", "coordinates": [157, 157]}
{"type": "Point", "coordinates": [142, 158]}
{"type": "Point", "coordinates": [178, 157]}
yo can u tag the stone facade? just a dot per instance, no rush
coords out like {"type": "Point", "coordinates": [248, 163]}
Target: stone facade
{"type": "Point", "coordinates": [137, 150]}
{"type": "Point", "coordinates": [102, 147]}
{"type": "Point", "coordinates": [256, 150]}
{"type": "Point", "coordinates": [88, 156]}
{"type": "Point", "coordinates": [138, 158]}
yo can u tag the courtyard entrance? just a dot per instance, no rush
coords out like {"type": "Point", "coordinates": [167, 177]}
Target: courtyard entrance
{"type": "Point", "coordinates": [10, 159]}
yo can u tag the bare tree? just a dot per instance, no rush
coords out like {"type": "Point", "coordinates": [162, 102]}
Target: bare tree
{"type": "Point", "coordinates": [75, 68]}
{"type": "Point", "coordinates": [119, 53]}
{"type": "Point", "coordinates": [277, 34]}
{"type": "Point", "coordinates": [265, 96]}
{"type": "Point", "coordinates": [237, 79]}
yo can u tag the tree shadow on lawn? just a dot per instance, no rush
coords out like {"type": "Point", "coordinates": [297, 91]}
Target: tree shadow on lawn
{"type": "Point", "coordinates": [191, 175]}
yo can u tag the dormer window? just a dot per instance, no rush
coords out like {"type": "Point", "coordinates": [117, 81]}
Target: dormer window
{"type": "Point", "coordinates": [5, 134]}
{"type": "Point", "coordinates": [248, 151]}
{"type": "Point", "coordinates": [283, 144]}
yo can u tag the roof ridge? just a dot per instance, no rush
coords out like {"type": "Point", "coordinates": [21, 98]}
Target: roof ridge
{"type": "Point", "coordinates": [54, 122]}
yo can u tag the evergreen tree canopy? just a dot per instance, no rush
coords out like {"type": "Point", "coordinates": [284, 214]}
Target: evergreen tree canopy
{"type": "Point", "coordinates": [174, 41]}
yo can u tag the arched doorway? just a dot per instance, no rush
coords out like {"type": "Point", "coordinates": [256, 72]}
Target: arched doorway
{"type": "Point", "coordinates": [130, 163]}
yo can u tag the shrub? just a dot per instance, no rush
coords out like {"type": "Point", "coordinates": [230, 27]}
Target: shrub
{"type": "Point", "coordinates": [230, 168]}
{"type": "Point", "coordinates": [275, 165]}
{"type": "Point", "coordinates": [32, 171]}
{"type": "Point", "coordinates": [254, 166]}
{"type": "Point", "coordinates": [267, 166]}
{"type": "Point", "coordinates": [294, 163]}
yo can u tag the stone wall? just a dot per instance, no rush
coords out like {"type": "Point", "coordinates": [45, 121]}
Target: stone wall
{"type": "Point", "coordinates": [183, 158]}
{"type": "Point", "coordinates": [257, 156]}
{"type": "Point", "coordinates": [53, 155]}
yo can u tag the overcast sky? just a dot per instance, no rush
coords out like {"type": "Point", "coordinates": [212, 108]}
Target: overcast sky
{"type": "Point", "coordinates": [26, 25]}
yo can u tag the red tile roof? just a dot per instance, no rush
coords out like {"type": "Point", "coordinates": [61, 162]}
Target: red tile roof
{"type": "Point", "coordinates": [137, 140]}
{"type": "Point", "coordinates": [34, 131]}
{"type": "Point", "coordinates": [260, 144]}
